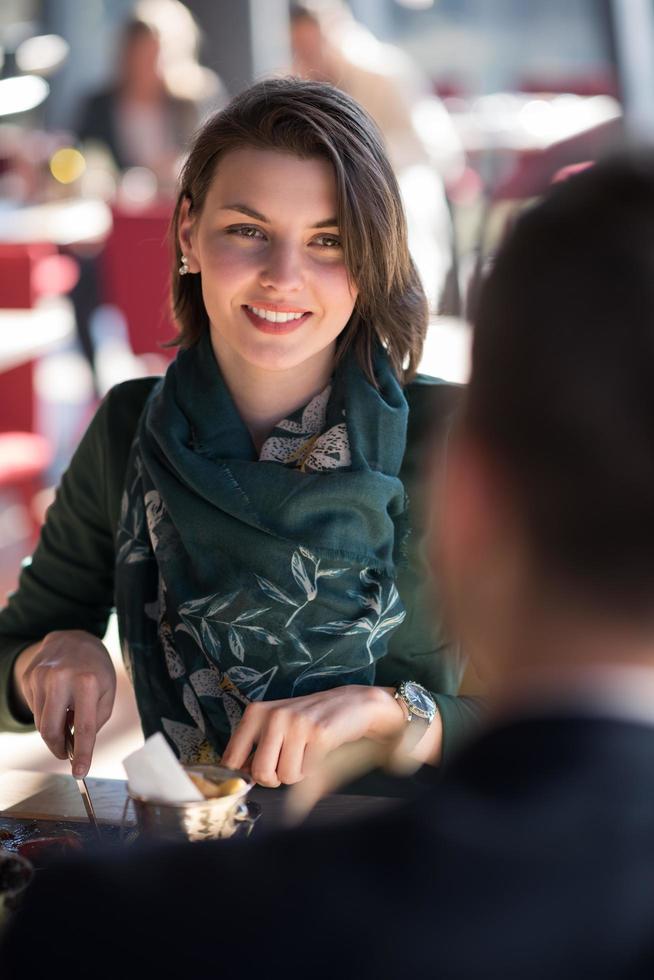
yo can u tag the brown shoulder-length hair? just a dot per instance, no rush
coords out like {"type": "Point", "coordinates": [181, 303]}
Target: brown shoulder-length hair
{"type": "Point", "coordinates": [311, 119]}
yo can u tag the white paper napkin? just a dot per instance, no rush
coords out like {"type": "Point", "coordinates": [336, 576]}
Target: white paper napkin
{"type": "Point", "coordinates": [154, 772]}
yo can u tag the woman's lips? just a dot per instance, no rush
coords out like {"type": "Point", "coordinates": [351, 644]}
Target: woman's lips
{"type": "Point", "coordinates": [267, 326]}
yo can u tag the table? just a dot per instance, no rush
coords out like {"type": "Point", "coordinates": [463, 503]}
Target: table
{"type": "Point", "coordinates": [61, 222]}
{"type": "Point", "coordinates": [26, 334]}
{"type": "Point", "coordinates": [26, 796]}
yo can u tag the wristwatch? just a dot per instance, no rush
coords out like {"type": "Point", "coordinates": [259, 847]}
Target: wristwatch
{"type": "Point", "coordinates": [417, 701]}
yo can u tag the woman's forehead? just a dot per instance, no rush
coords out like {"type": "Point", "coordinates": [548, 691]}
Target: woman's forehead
{"type": "Point", "coordinates": [273, 179]}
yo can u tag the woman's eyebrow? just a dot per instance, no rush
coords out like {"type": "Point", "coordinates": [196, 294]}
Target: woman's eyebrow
{"type": "Point", "coordinates": [251, 213]}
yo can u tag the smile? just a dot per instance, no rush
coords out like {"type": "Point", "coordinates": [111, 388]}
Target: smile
{"type": "Point", "coordinates": [275, 316]}
{"type": "Point", "coordinates": [275, 321]}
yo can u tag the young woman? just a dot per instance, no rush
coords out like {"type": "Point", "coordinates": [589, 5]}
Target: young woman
{"type": "Point", "coordinates": [247, 514]}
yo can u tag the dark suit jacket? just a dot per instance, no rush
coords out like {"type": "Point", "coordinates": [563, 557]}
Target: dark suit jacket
{"type": "Point", "coordinates": [533, 858]}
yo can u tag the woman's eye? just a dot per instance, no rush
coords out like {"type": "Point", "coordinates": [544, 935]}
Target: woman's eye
{"type": "Point", "coordinates": [246, 231]}
{"type": "Point", "coordinates": [328, 241]}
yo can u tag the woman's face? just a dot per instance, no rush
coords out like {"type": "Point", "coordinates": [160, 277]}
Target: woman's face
{"type": "Point", "coordinates": [268, 248]}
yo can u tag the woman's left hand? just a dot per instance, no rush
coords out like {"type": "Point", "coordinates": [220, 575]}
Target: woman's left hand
{"type": "Point", "coordinates": [290, 736]}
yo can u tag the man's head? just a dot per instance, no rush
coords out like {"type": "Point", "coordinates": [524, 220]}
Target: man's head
{"type": "Point", "coordinates": [550, 490]}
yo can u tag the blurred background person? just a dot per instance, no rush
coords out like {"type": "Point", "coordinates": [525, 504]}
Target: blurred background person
{"type": "Point", "coordinates": [146, 116]}
{"type": "Point", "coordinates": [328, 45]}
{"type": "Point", "coordinates": [142, 122]}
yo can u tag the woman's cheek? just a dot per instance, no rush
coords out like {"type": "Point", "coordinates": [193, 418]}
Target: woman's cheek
{"type": "Point", "coordinates": [229, 263]}
{"type": "Point", "coordinates": [334, 277]}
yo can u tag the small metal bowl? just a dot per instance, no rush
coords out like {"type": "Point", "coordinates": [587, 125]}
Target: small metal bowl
{"type": "Point", "coordinates": [201, 820]}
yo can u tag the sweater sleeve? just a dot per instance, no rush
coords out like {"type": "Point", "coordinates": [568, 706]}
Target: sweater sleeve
{"type": "Point", "coordinates": [462, 718]}
{"type": "Point", "coordinates": [68, 583]}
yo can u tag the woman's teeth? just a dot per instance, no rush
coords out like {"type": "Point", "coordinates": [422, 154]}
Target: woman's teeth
{"type": "Point", "coordinates": [273, 316]}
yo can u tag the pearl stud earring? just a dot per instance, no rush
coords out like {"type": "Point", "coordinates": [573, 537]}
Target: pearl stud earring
{"type": "Point", "coordinates": [184, 269]}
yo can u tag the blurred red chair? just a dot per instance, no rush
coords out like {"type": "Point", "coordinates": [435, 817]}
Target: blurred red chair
{"type": "Point", "coordinates": [28, 271]}
{"type": "Point", "coordinates": [24, 458]}
{"type": "Point", "coordinates": [135, 267]}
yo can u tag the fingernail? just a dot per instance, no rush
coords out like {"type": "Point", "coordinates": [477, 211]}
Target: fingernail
{"type": "Point", "coordinates": [79, 771]}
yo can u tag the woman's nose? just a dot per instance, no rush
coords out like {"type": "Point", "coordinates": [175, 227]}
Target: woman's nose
{"type": "Point", "coordinates": [282, 269]}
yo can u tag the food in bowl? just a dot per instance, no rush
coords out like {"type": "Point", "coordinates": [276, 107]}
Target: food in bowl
{"type": "Point", "coordinates": [213, 789]}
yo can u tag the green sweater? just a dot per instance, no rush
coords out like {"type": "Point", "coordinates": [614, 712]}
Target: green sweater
{"type": "Point", "coordinates": [69, 582]}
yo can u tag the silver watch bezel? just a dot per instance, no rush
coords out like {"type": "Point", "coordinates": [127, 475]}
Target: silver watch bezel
{"type": "Point", "coordinates": [413, 710]}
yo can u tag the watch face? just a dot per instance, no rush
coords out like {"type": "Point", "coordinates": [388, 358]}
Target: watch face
{"type": "Point", "coordinates": [420, 700]}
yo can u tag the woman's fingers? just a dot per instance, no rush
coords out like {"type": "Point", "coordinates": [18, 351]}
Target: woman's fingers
{"type": "Point", "coordinates": [290, 736]}
{"type": "Point", "coordinates": [85, 708]}
{"type": "Point", "coordinates": [53, 718]}
{"type": "Point", "coordinates": [279, 733]}
{"type": "Point", "coordinates": [105, 707]}
{"type": "Point", "coordinates": [70, 669]}
{"type": "Point", "coordinates": [266, 758]}
{"type": "Point", "coordinates": [245, 737]}
{"type": "Point", "coordinates": [261, 728]}
{"type": "Point", "coordinates": [290, 767]}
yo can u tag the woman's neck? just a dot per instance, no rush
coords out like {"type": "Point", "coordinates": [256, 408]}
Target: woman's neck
{"type": "Point", "coordinates": [263, 397]}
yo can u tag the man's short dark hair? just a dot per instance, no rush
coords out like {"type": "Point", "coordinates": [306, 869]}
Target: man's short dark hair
{"type": "Point", "coordinates": [562, 390]}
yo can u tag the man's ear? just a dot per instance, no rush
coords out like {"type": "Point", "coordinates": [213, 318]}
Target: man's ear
{"type": "Point", "coordinates": [468, 505]}
{"type": "Point", "coordinates": [186, 224]}
{"type": "Point", "coordinates": [474, 537]}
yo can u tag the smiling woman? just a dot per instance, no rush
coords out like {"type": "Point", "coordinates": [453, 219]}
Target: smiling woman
{"type": "Point", "coordinates": [248, 515]}
{"type": "Point", "coordinates": [276, 290]}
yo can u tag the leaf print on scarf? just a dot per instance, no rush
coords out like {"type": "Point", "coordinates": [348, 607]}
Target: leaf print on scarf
{"type": "Point", "coordinates": [210, 683]}
{"type": "Point", "coordinates": [250, 682]}
{"type": "Point", "coordinates": [372, 599]}
{"type": "Point", "coordinates": [302, 652]}
{"type": "Point", "coordinates": [233, 710]}
{"type": "Point", "coordinates": [318, 678]}
{"type": "Point", "coordinates": [236, 644]}
{"type": "Point", "coordinates": [154, 512]}
{"type": "Point", "coordinates": [206, 682]}
{"type": "Point", "coordinates": [192, 705]}
{"type": "Point", "coordinates": [307, 580]}
{"type": "Point", "coordinates": [203, 631]}
{"type": "Point", "coordinates": [300, 575]}
{"type": "Point", "coordinates": [313, 416]}
{"type": "Point", "coordinates": [274, 592]}
{"type": "Point", "coordinates": [283, 450]}
{"type": "Point", "coordinates": [131, 536]}
{"type": "Point", "coordinates": [206, 611]}
{"type": "Point", "coordinates": [331, 451]}
{"type": "Point", "coordinates": [186, 739]}
{"type": "Point", "coordinates": [174, 663]}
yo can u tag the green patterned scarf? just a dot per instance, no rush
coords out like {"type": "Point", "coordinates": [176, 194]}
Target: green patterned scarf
{"type": "Point", "coordinates": [241, 579]}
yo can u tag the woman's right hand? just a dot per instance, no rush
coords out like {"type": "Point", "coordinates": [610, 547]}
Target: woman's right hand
{"type": "Point", "coordinates": [67, 669]}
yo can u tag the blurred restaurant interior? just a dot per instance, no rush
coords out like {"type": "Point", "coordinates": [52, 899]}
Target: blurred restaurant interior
{"type": "Point", "coordinates": [502, 96]}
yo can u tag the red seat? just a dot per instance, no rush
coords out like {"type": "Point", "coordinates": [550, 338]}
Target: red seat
{"type": "Point", "coordinates": [19, 263]}
{"type": "Point", "coordinates": [24, 457]}
{"type": "Point", "coordinates": [136, 275]}
{"type": "Point", "coordinates": [29, 270]}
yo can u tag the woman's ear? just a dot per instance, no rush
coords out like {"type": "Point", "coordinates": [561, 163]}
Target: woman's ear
{"type": "Point", "coordinates": [186, 224]}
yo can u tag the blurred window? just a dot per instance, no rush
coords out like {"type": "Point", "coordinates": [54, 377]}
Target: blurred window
{"type": "Point", "coordinates": [475, 47]}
